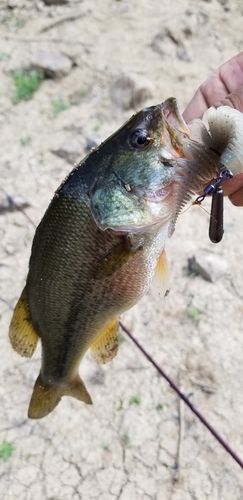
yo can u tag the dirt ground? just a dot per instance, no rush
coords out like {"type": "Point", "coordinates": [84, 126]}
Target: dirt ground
{"type": "Point", "coordinates": [125, 446]}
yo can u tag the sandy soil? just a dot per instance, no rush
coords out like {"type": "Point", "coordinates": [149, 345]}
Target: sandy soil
{"type": "Point", "coordinates": [116, 449]}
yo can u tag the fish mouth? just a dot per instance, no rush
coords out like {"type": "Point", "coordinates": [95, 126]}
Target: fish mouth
{"type": "Point", "coordinates": [195, 164]}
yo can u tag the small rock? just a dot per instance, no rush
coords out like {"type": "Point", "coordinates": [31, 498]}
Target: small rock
{"type": "Point", "coordinates": [53, 64]}
{"type": "Point", "coordinates": [71, 150]}
{"type": "Point", "coordinates": [98, 377]}
{"type": "Point", "coordinates": [183, 52]}
{"type": "Point", "coordinates": [171, 39]}
{"type": "Point", "coordinates": [55, 2]}
{"type": "Point", "coordinates": [76, 97]}
{"type": "Point", "coordinates": [208, 265]}
{"type": "Point", "coordinates": [92, 142]}
{"type": "Point", "coordinates": [12, 204]}
{"type": "Point", "coordinates": [130, 91]}
{"type": "Point", "coordinates": [12, 4]}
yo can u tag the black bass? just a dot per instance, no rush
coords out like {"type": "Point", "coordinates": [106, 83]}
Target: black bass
{"type": "Point", "coordinates": [101, 242]}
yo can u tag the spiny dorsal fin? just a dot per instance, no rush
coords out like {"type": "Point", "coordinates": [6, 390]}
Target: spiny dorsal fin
{"type": "Point", "coordinates": [105, 348]}
{"type": "Point", "coordinates": [161, 281]}
{"type": "Point", "coordinates": [46, 397]}
{"type": "Point", "coordinates": [22, 334]}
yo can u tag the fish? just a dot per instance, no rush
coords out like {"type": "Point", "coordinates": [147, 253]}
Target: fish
{"type": "Point", "coordinates": [101, 242]}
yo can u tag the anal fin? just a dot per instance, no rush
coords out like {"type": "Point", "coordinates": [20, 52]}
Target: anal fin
{"type": "Point", "coordinates": [105, 348]}
{"type": "Point", "coordinates": [161, 281]}
{"type": "Point", "coordinates": [22, 334]}
{"type": "Point", "coordinates": [46, 397]}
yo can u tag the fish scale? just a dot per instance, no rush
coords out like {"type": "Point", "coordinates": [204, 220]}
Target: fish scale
{"type": "Point", "coordinates": [101, 242]}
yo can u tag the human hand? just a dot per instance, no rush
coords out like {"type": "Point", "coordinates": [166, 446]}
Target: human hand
{"type": "Point", "coordinates": [223, 88]}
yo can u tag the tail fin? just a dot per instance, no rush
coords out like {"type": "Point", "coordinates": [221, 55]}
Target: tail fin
{"type": "Point", "coordinates": [46, 397]}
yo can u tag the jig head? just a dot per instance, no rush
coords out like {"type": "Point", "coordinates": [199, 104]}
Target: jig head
{"type": "Point", "coordinates": [216, 225]}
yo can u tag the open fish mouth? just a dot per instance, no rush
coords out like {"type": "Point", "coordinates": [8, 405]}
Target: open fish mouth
{"type": "Point", "coordinates": [176, 162]}
{"type": "Point", "coordinates": [201, 149]}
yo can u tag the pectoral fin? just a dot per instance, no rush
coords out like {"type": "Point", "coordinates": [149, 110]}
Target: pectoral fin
{"type": "Point", "coordinates": [22, 334]}
{"type": "Point", "coordinates": [46, 397]}
{"type": "Point", "coordinates": [161, 281]}
{"type": "Point", "coordinates": [115, 259]}
{"type": "Point", "coordinates": [105, 348]}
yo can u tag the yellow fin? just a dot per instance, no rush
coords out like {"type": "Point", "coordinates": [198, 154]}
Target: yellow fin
{"type": "Point", "coordinates": [105, 348]}
{"type": "Point", "coordinates": [115, 259]}
{"type": "Point", "coordinates": [22, 334]}
{"type": "Point", "coordinates": [46, 397]}
{"type": "Point", "coordinates": [161, 281]}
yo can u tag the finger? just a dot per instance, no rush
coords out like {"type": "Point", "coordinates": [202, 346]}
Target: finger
{"type": "Point", "coordinates": [234, 100]}
{"type": "Point", "coordinates": [234, 190]}
{"type": "Point", "coordinates": [237, 198]}
{"type": "Point", "coordinates": [231, 73]}
{"type": "Point", "coordinates": [227, 79]}
{"type": "Point", "coordinates": [213, 89]}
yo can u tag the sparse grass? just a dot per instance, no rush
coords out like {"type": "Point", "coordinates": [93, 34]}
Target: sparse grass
{"type": "Point", "coordinates": [58, 105]}
{"type": "Point", "coordinates": [135, 400]}
{"type": "Point", "coordinates": [26, 82]}
{"type": "Point", "coordinates": [97, 126]}
{"type": "Point", "coordinates": [105, 447]}
{"type": "Point", "coordinates": [25, 140]}
{"type": "Point", "coordinates": [120, 407]}
{"type": "Point", "coordinates": [19, 23]}
{"type": "Point", "coordinates": [126, 439]}
{"type": "Point", "coordinates": [6, 450]}
{"type": "Point", "coordinates": [121, 338]}
{"type": "Point", "coordinates": [193, 313]}
{"type": "Point", "coordinates": [5, 18]}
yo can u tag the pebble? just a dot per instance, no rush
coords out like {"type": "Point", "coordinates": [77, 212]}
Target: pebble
{"type": "Point", "coordinates": [130, 91]}
{"type": "Point", "coordinates": [209, 266]}
{"type": "Point", "coordinates": [71, 150]}
{"type": "Point", "coordinates": [53, 64]}
{"type": "Point", "coordinates": [55, 2]}
{"type": "Point", "coordinates": [92, 142]}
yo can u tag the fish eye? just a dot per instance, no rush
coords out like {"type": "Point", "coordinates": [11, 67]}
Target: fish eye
{"type": "Point", "coordinates": [140, 139]}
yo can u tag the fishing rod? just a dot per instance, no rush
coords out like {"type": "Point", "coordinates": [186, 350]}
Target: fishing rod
{"type": "Point", "coordinates": [184, 397]}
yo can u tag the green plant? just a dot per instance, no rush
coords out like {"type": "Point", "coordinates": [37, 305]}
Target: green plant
{"type": "Point", "coordinates": [6, 450]}
{"type": "Point", "coordinates": [97, 126]}
{"type": "Point", "coordinates": [26, 82]}
{"type": "Point", "coordinates": [5, 18]}
{"type": "Point", "coordinates": [105, 447]}
{"type": "Point", "coordinates": [126, 439]}
{"type": "Point", "coordinates": [193, 313]}
{"type": "Point", "coordinates": [25, 140]}
{"type": "Point", "coordinates": [58, 106]}
{"type": "Point", "coordinates": [135, 400]}
{"type": "Point", "coordinates": [120, 407]}
{"type": "Point", "coordinates": [121, 338]}
{"type": "Point", "coordinates": [19, 23]}
{"type": "Point", "coordinates": [159, 407]}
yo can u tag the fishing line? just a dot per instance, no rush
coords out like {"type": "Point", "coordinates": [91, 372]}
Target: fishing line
{"type": "Point", "coordinates": [184, 398]}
